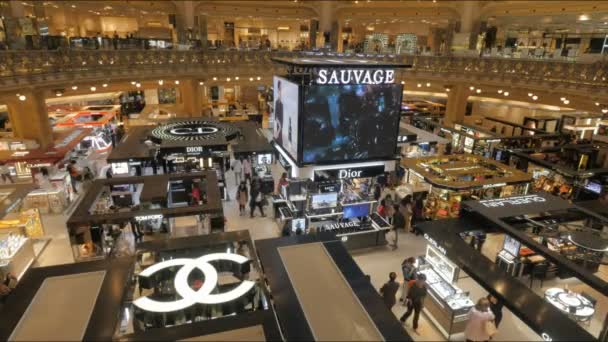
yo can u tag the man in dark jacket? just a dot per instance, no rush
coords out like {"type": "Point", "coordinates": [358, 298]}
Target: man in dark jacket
{"type": "Point", "coordinates": [389, 290]}
{"type": "Point", "coordinates": [415, 300]}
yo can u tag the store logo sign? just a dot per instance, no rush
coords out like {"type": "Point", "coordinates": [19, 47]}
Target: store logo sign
{"type": "Point", "coordinates": [512, 201]}
{"type": "Point", "coordinates": [341, 225]}
{"type": "Point", "coordinates": [435, 244]}
{"type": "Point", "coordinates": [348, 173]}
{"type": "Point", "coordinates": [148, 217]}
{"type": "Point", "coordinates": [355, 76]}
{"type": "Point", "coordinates": [193, 130]}
{"type": "Point", "coordinates": [189, 296]}
{"type": "Point", "coordinates": [195, 149]}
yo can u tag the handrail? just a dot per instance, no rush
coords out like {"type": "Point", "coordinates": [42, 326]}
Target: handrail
{"type": "Point", "coordinates": [17, 64]}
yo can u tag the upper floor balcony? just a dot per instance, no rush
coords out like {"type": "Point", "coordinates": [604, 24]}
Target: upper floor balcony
{"type": "Point", "coordinates": [48, 69]}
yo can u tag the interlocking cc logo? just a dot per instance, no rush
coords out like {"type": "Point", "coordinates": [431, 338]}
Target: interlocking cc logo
{"type": "Point", "coordinates": [188, 295]}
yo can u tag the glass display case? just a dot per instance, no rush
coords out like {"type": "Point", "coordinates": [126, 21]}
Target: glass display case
{"type": "Point", "coordinates": [16, 254]}
{"type": "Point", "coordinates": [448, 306]}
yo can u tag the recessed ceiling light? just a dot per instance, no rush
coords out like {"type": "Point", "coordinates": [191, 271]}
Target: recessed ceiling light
{"type": "Point", "coordinates": [201, 83]}
{"type": "Point", "coordinates": [500, 91]}
{"type": "Point", "coordinates": [74, 87]}
{"type": "Point", "coordinates": [566, 101]}
{"type": "Point", "coordinates": [506, 93]}
{"type": "Point", "coordinates": [105, 85]}
{"type": "Point", "coordinates": [534, 97]}
{"type": "Point", "coordinates": [22, 97]}
{"type": "Point", "coordinates": [471, 88]}
{"type": "Point", "coordinates": [478, 91]}
{"type": "Point", "coordinates": [176, 81]}
{"type": "Point", "coordinates": [93, 88]}
{"type": "Point", "coordinates": [160, 82]}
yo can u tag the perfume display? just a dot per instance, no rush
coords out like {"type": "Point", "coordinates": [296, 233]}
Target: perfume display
{"type": "Point", "coordinates": [10, 245]}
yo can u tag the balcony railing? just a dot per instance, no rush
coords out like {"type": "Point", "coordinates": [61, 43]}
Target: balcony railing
{"type": "Point", "coordinates": [37, 67]}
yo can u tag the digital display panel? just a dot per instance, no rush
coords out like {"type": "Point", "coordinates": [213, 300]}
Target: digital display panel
{"type": "Point", "coordinates": [511, 245]}
{"type": "Point", "coordinates": [355, 210]}
{"type": "Point", "coordinates": [594, 187]}
{"type": "Point", "coordinates": [326, 200]}
{"type": "Point", "coordinates": [285, 115]}
{"type": "Point", "coordinates": [350, 122]}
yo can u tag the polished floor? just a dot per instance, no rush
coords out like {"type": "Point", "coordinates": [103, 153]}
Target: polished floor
{"type": "Point", "coordinates": [376, 262]}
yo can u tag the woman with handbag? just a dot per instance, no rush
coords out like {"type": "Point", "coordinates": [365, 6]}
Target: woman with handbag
{"type": "Point", "coordinates": [480, 326]}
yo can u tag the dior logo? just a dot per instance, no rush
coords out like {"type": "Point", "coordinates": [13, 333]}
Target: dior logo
{"type": "Point", "coordinates": [188, 295]}
{"type": "Point", "coordinates": [349, 174]}
{"type": "Point", "coordinates": [189, 130]}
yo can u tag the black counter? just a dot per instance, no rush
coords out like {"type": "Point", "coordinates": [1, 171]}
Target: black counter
{"type": "Point", "coordinates": [538, 314]}
{"type": "Point", "coordinates": [289, 310]}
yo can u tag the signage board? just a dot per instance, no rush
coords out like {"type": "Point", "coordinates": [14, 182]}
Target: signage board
{"type": "Point", "coordinates": [406, 138]}
{"type": "Point", "coordinates": [512, 201]}
{"type": "Point", "coordinates": [193, 130]}
{"type": "Point", "coordinates": [349, 172]}
{"type": "Point", "coordinates": [355, 76]}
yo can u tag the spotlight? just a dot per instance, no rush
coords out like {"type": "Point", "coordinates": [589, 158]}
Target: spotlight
{"type": "Point", "coordinates": [74, 87]}
{"type": "Point", "coordinates": [534, 97]}
{"type": "Point", "coordinates": [176, 81]}
{"type": "Point", "coordinates": [604, 110]}
{"type": "Point", "coordinates": [419, 85]}
{"type": "Point", "coordinates": [58, 94]}
{"type": "Point", "coordinates": [530, 94]}
{"type": "Point", "coordinates": [93, 88]}
{"type": "Point", "coordinates": [236, 78]}
{"type": "Point", "coordinates": [105, 85]}
{"type": "Point", "coordinates": [471, 88]}
{"type": "Point", "coordinates": [506, 93]}
{"type": "Point", "coordinates": [160, 82]}
{"type": "Point", "coordinates": [133, 82]}
{"type": "Point", "coordinates": [562, 98]}
{"type": "Point", "coordinates": [597, 103]}
{"type": "Point", "coordinates": [500, 91]}
{"type": "Point", "coordinates": [227, 79]}
{"type": "Point", "coordinates": [428, 84]}
{"type": "Point", "coordinates": [215, 78]}
{"type": "Point", "coordinates": [250, 79]}
{"type": "Point", "coordinates": [138, 85]}
{"type": "Point", "coordinates": [402, 82]}
{"type": "Point", "coordinates": [22, 98]}
{"type": "Point", "coordinates": [259, 78]}
{"type": "Point", "coordinates": [478, 91]}
{"type": "Point", "coordinates": [448, 90]}
{"type": "Point", "coordinates": [201, 83]}
{"type": "Point", "coordinates": [566, 101]}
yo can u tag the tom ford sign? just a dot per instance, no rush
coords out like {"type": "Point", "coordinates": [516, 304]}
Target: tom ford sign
{"type": "Point", "coordinates": [355, 76]}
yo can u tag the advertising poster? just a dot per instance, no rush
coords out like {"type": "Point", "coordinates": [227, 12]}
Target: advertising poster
{"type": "Point", "coordinates": [350, 122]}
{"type": "Point", "coordinates": [285, 120]}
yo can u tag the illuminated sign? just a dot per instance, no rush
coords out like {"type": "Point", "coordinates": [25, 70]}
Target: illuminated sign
{"type": "Point", "coordinates": [546, 337]}
{"type": "Point", "coordinates": [195, 149]}
{"type": "Point", "coordinates": [148, 217]}
{"type": "Point", "coordinates": [351, 172]}
{"type": "Point", "coordinates": [340, 225]}
{"type": "Point", "coordinates": [355, 76]}
{"type": "Point", "coordinates": [189, 130]}
{"type": "Point", "coordinates": [189, 296]}
{"type": "Point", "coordinates": [435, 244]}
{"type": "Point", "coordinates": [497, 185]}
{"type": "Point", "coordinates": [512, 201]}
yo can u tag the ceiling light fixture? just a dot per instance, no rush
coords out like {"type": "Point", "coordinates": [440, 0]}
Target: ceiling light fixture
{"type": "Point", "coordinates": [74, 87]}
{"type": "Point", "coordinates": [500, 91]}
{"type": "Point", "coordinates": [402, 82]}
{"type": "Point", "coordinates": [448, 90]}
{"type": "Point", "coordinates": [530, 94]}
{"type": "Point", "coordinates": [105, 85]}
{"type": "Point", "coordinates": [562, 98]}
{"type": "Point", "coordinates": [478, 91]}
{"type": "Point", "coordinates": [236, 78]}
{"type": "Point", "coordinates": [259, 78]}
{"type": "Point", "coordinates": [597, 103]}
{"type": "Point", "coordinates": [201, 83]}
{"type": "Point", "coordinates": [566, 101]}
{"type": "Point", "coordinates": [227, 79]}
{"type": "Point", "coordinates": [534, 97]}
{"type": "Point", "coordinates": [471, 88]}
{"type": "Point", "coordinates": [160, 82]}
{"type": "Point", "coordinates": [138, 85]}
{"type": "Point", "coordinates": [506, 93]}
{"type": "Point", "coordinates": [133, 82]}
{"type": "Point", "coordinates": [419, 85]}
{"type": "Point", "coordinates": [93, 88]}
{"type": "Point", "coordinates": [215, 78]}
{"type": "Point", "coordinates": [604, 110]}
{"type": "Point", "coordinates": [22, 97]}
{"type": "Point", "coordinates": [250, 79]}
{"type": "Point", "coordinates": [176, 81]}
{"type": "Point", "coordinates": [58, 94]}
{"type": "Point", "coordinates": [428, 84]}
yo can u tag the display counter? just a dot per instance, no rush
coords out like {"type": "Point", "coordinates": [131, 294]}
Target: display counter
{"type": "Point", "coordinates": [16, 254]}
{"type": "Point", "coordinates": [454, 178]}
{"type": "Point", "coordinates": [448, 306]}
{"type": "Point", "coordinates": [575, 305]}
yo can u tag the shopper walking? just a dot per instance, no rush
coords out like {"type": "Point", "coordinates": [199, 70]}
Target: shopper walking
{"type": "Point", "coordinates": [389, 290]}
{"type": "Point", "coordinates": [242, 197]}
{"type": "Point", "coordinates": [398, 223]}
{"type": "Point", "coordinates": [282, 183]}
{"type": "Point", "coordinates": [5, 172]}
{"type": "Point", "coordinates": [237, 168]}
{"type": "Point", "coordinates": [496, 308]}
{"type": "Point", "coordinates": [255, 197]}
{"type": "Point", "coordinates": [479, 326]}
{"type": "Point", "coordinates": [247, 169]}
{"type": "Point", "coordinates": [415, 300]}
{"type": "Point", "coordinates": [408, 267]}
{"type": "Point", "coordinates": [408, 211]}
{"type": "Point", "coordinates": [74, 175]}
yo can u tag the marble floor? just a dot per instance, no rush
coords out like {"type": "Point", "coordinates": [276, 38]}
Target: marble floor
{"type": "Point", "coordinates": [376, 262]}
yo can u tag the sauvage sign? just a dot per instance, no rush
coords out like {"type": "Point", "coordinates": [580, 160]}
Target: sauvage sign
{"type": "Point", "coordinates": [355, 76]}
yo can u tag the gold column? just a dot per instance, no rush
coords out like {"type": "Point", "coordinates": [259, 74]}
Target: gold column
{"type": "Point", "coordinates": [29, 118]}
{"type": "Point", "coordinates": [192, 97]}
{"type": "Point", "coordinates": [457, 104]}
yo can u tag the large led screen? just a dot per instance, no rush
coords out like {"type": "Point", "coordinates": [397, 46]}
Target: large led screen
{"type": "Point", "coordinates": [350, 122]}
{"type": "Point", "coordinates": [285, 120]}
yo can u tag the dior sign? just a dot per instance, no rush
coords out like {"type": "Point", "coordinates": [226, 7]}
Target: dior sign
{"type": "Point", "coordinates": [355, 76]}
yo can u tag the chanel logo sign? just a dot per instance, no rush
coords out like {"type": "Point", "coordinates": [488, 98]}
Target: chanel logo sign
{"type": "Point", "coordinates": [188, 295]}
